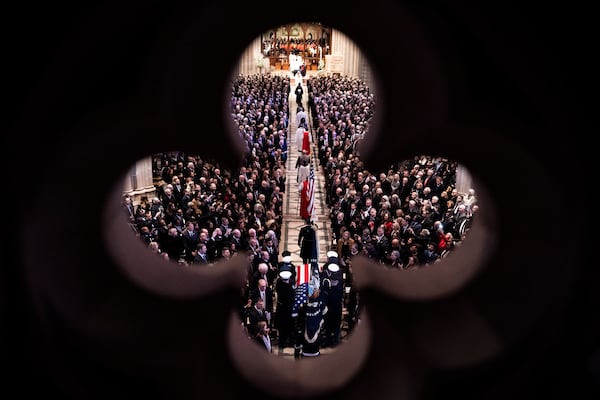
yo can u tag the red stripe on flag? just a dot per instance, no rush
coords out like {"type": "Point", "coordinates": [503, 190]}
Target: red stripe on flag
{"type": "Point", "coordinates": [302, 274]}
{"type": "Point", "coordinates": [307, 196]}
{"type": "Point", "coordinates": [306, 272]}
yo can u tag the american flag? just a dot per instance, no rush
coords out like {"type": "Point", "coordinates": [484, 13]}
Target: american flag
{"type": "Point", "coordinates": [302, 274]}
{"type": "Point", "coordinates": [300, 298]}
{"type": "Point", "coordinates": [309, 193]}
{"type": "Point", "coordinates": [306, 274]}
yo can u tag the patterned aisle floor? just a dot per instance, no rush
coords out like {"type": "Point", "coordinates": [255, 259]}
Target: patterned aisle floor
{"type": "Point", "coordinates": [292, 222]}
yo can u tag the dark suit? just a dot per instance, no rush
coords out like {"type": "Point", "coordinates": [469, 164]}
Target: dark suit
{"type": "Point", "coordinates": [254, 316]}
{"type": "Point", "coordinates": [173, 246]}
{"type": "Point", "coordinates": [201, 258]}
{"type": "Point", "coordinates": [185, 199]}
{"type": "Point", "coordinates": [332, 287]}
{"type": "Point", "coordinates": [283, 315]}
{"type": "Point", "coordinates": [307, 241]}
{"type": "Point", "coordinates": [273, 256]}
{"type": "Point", "coordinates": [239, 244]}
{"type": "Point", "coordinates": [190, 242]}
{"type": "Point", "coordinates": [255, 293]}
{"type": "Point", "coordinates": [299, 92]}
{"type": "Point", "coordinates": [178, 193]}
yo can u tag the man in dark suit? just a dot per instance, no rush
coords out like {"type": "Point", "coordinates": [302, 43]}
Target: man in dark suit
{"type": "Point", "coordinates": [173, 245]}
{"type": "Point", "coordinates": [256, 313]}
{"type": "Point", "coordinates": [201, 256]}
{"type": "Point", "coordinates": [190, 239]}
{"type": "Point", "coordinates": [307, 240]}
{"type": "Point", "coordinates": [270, 248]}
{"type": "Point", "coordinates": [264, 292]}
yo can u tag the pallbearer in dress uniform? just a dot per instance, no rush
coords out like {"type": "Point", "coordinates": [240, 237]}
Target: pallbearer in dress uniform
{"type": "Point", "coordinates": [284, 287]}
{"type": "Point", "coordinates": [313, 313]}
{"type": "Point", "coordinates": [332, 287]}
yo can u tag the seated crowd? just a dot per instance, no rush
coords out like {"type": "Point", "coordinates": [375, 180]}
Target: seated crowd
{"type": "Point", "coordinates": [408, 217]}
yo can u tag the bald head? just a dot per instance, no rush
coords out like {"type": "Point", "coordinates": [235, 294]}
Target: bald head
{"type": "Point", "coordinates": [262, 284]}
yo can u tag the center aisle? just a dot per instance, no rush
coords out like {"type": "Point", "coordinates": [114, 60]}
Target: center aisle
{"type": "Point", "coordinates": [292, 222]}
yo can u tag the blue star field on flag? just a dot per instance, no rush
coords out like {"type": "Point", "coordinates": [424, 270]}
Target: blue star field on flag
{"type": "Point", "coordinates": [300, 297]}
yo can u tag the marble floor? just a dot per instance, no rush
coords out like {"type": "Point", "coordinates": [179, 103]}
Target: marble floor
{"type": "Point", "coordinates": [292, 222]}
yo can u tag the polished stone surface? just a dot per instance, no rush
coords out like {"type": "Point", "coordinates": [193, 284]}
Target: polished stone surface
{"type": "Point", "coordinates": [292, 223]}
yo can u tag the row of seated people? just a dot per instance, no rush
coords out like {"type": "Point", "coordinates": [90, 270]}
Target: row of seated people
{"type": "Point", "coordinates": [251, 211]}
{"type": "Point", "coordinates": [409, 216]}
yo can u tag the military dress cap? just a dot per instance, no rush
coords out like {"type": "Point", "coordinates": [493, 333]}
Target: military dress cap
{"type": "Point", "coordinates": [333, 267]}
{"type": "Point", "coordinates": [285, 274]}
{"type": "Point", "coordinates": [285, 271]}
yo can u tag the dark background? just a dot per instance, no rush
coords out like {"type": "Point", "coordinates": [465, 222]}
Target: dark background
{"type": "Point", "coordinates": [529, 63]}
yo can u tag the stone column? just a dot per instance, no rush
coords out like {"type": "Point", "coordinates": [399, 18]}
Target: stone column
{"type": "Point", "coordinates": [139, 180]}
{"type": "Point", "coordinates": [464, 181]}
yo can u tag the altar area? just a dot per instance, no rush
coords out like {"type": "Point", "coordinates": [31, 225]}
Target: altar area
{"type": "Point", "coordinates": [294, 79]}
{"type": "Point", "coordinates": [295, 62]}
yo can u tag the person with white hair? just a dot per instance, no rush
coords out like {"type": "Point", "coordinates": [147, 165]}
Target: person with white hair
{"type": "Point", "coordinates": [300, 115]}
{"type": "Point", "coordinates": [303, 167]}
{"type": "Point", "coordinates": [470, 199]}
{"type": "Point", "coordinates": [273, 236]}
